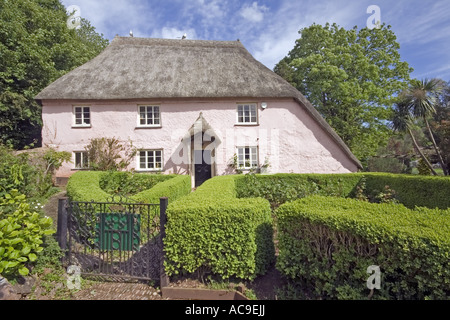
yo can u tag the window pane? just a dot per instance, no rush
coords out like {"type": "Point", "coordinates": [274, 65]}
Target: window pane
{"type": "Point", "coordinates": [85, 160]}
{"type": "Point", "coordinates": [77, 160]}
{"type": "Point", "coordinates": [142, 159]}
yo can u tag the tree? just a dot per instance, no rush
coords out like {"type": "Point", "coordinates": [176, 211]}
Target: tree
{"type": "Point", "coordinates": [403, 121]}
{"type": "Point", "coordinates": [440, 122]}
{"type": "Point", "coordinates": [351, 77]}
{"type": "Point", "coordinates": [36, 48]}
{"type": "Point", "coordinates": [421, 97]}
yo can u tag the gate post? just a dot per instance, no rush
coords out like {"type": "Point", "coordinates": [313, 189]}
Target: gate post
{"type": "Point", "coordinates": [163, 203]}
{"type": "Point", "coordinates": [61, 233]}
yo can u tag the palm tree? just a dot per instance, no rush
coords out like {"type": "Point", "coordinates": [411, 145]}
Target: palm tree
{"type": "Point", "coordinates": [402, 122]}
{"type": "Point", "coordinates": [422, 99]}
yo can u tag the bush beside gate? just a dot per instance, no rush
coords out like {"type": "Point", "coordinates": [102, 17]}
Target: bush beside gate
{"type": "Point", "coordinates": [87, 186]}
{"type": "Point", "coordinates": [213, 231]}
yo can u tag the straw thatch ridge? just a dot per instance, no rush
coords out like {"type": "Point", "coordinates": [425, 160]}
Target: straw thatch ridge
{"type": "Point", "coordinates": [144, 68]}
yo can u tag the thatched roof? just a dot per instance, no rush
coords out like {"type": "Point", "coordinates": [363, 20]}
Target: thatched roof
{"type": "Point", "coordinates": [142, 68]}
{"type": "Point", "coordinates": [132, 68]}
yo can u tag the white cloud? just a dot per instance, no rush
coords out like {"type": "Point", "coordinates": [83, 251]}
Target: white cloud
{"type": "Point", "coordinates": [112, 17]}
{"type": "Point", "coordinates": [278, 37]}
{"type": "Point", "coordinates": [253, 13]}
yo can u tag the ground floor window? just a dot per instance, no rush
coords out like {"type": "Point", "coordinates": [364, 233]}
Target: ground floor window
{"type": "Point", "coordinates": [81, 160]}
{"type": "Point", "coordinates": [150, 160]}
{"type": "Point", "coordinates": [247, 157]}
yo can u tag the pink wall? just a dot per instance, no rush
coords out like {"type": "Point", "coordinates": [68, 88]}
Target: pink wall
{"type": "Point", "coordinates": [286, 135]}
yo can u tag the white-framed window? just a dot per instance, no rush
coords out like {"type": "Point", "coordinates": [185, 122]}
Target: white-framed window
{"type": "Point", "coordinates": [247, 113]}
{"type": "Point", "coordinates": [149, 116]}
{"type": "Point", "coordinates": [82, 116]}
{"type": "Point", "coordinates": [81, 160]}
{"type": "Point", "coordinates": [150, 160]}
{"type": "Point", "coordinates": [247, 157]}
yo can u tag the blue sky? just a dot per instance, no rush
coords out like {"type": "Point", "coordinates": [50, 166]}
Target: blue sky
{"type": "Point", "coordinates": [269, 28]}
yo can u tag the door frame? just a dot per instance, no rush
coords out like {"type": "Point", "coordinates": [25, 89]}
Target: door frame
{"type": "Point", "coordinates": [198, 143]}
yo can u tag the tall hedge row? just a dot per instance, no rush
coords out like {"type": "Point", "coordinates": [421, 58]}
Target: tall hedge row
{"type": "Point", "coordinates": [426, 191]}
{"type": "Point", "coordinates": [212, 231]}
{"type": "Point", "coordinates": [326, 244]}
{"type": "Point", "coordinates": [412, 191]}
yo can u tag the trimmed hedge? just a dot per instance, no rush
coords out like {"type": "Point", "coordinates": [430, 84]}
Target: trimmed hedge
{"type": "Point", "coordinates": [212, 231]}
{"type": "Point", "coordinates": [426, 191]}
{"type": "Point", "coordinates": [126, 183]}
{"type": "Point", "coordinates": [326, 244]}
{"type": "Point", "coordinates": [411, 190]}
{"type": "Point", "coordinates": [174, 188]}
{"type": "Point", "coordinates": [85, 186]}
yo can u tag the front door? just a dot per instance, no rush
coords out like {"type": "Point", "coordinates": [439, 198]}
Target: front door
{"type": "Point", "coordinates": [202, 166]}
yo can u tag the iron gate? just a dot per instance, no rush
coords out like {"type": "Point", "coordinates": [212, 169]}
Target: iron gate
{"type": "Point", "coordinates": [117, 239]}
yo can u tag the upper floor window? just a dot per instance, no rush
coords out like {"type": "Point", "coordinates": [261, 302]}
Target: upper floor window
{"type": "Point", "coordinates": [149, 116]}
{"type": "Point", "coordinates": [247, 114]}
{"type": "Point", "coordinates": [82, 116]}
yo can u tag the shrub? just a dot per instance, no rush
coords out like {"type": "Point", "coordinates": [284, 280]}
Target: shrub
{"type": "Point", "coordinates": [412, 191]}
{"type": "Point", "coordinates": [109, 154]}
{"type": "Point", "coordinates": [21, 233]}
{"type": "Point", "coordinates": [281, 188]}
{"type": "Point", "coordinates": [127, 183]}
{"type": "Point", "coordinates": [213, 231]}
{"type": "Point", "coordinates": [30, 172]}
{"type": "Point", "coordinates": [326, 244]}
{"type": "Point", "coordinates": [173, 188]}
{"type": "Point", "coordinates": [86, 186]}
{"type": "Point", "coordinates": [426, 191]}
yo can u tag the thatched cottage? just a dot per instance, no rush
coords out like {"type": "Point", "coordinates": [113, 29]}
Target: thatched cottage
{"type": "Point", "coordinates": [194, 107]}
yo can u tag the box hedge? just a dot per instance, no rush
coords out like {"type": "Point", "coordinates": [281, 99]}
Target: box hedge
{"type": "Point", "coordinates": [212, 231]}
{"type": "Point", "coordinates": [410, 190]}
{"type": "Point", "coordinates": [326, 244]}
{"type": "Point", "coordinates": [87, 186]}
